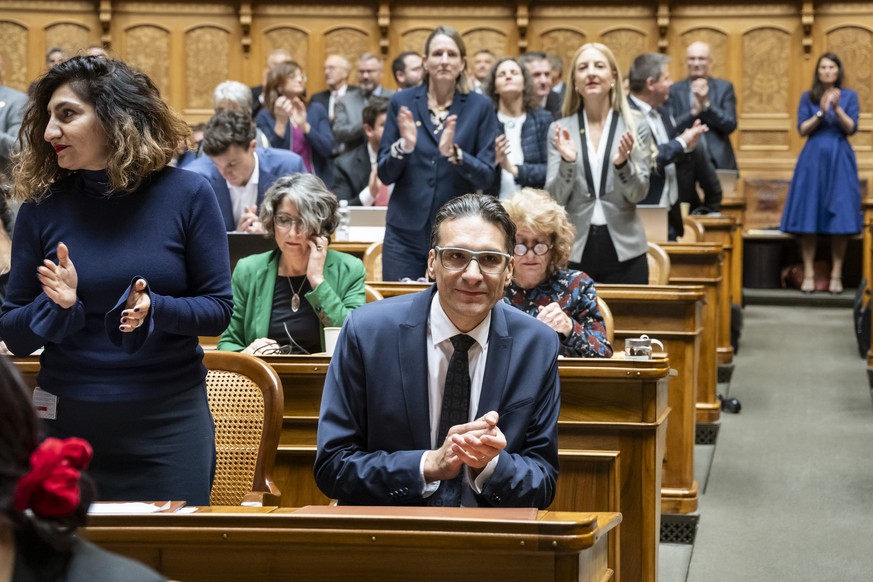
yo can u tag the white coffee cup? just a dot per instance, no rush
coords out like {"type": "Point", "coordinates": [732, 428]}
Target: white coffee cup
{"type": "Point", "coordinates": [330, 336]}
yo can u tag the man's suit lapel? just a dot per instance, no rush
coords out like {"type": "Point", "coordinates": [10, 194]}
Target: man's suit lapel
{"type": "Point", "coordinates": [497, 366]}
{"type": "Point", "coordinates": [412, 352]}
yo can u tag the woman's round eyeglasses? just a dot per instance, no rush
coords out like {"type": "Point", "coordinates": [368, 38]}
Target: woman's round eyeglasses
{"type": "Point", "coordinates": [538, 249]}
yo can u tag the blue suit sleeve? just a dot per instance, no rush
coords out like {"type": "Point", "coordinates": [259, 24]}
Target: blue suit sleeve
{"type": "Point", "coordinates": [527, 477]}
{"type": "Point", "coordinates": [344, 469]}
{"type": "Point", "coordinates": [266, 123]}
{"type": "Point", "coordinates": [722, 114]}
{"type": "Point", "coordinates": [320, 136]}
{"type": "Point", "coordinates": [478, 165]}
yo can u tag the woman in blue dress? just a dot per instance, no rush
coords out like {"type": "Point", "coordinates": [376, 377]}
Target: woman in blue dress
{"type": "Point", "coordinates": [825, 194]}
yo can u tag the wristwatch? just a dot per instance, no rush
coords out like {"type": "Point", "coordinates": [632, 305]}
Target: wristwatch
{"type": "Point", "coordinates": [819, 114]}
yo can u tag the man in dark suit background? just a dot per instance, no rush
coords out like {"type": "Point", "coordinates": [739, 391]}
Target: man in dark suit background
{"type": "Point", "coordinates": [449, 396]}
{"type": "Point", "coordinates": [354, 173]}
{"type": "Point", "coordinates": [649, 82]}
{"type": "Point", "coordinates": [408, 69]}
{"type": "Point", "coordinates": [239, 172]}
{"type": "Point", "coordinates": [336, 75]}
{"type": "Point", "coordinates": [12, 104]}
{"type": "Point", "coordinates": [540, 69]}
{"type": "Point", "coordinates": [710, 100]}
{"type": "Point", "coordinates": [348, 125]}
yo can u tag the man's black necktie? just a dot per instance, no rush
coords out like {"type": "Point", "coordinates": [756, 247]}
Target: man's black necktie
{"type": "Point", "coordinates": [455, 410]}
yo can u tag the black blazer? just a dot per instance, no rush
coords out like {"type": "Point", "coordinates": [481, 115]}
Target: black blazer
{"type": "Point", "coordinates": [351, 174]}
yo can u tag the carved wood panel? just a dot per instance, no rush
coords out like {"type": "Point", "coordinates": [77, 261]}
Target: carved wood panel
{"type": "Point", "coordinates": [563, 42]}
{"type": "Point", "coordinates": [147, 47]}
{"type": "Point", "coordinates": [414, 39]}
{"type": "Point", "coordinates": [718, 43]}
{"type": "Point", "coordinates": [626, 44]}
{"type": "Point", "coordinates": [486, 38]}
{"type": "Point", "coordinates": [14, 48]}
{"type": "Point", "coordinates": [765, 199]}
{"type": "Point", "coordinates": [70, 36]}
{"type": "Point", "coordinates": [291, 39]}
{"type": "Point", "coordinates": [207, 52]}
{"type": "Point", "coordinates": [766, 59]}
{"type": "Point", "coordinates": [348, 42]}
{"type": "Point", "coordinates": [853, 45]}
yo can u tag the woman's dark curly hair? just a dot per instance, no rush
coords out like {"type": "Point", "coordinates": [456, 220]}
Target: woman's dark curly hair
{"type": "Point", "coordinates": [142, 132]}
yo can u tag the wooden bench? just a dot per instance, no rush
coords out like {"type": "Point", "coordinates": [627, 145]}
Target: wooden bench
{"type": "Point", "coordinates": [736, 207]}
{"type": "Point", "coordinates": [672, 314]}
{"type": "Point", "coordinates": [224, 544]}
{"type": "Point", "coordinates": [722, 229]}
{"type": "Point", "coordinates": [700, 264]}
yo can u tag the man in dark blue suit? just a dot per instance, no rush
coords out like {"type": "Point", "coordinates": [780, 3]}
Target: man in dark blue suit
{"type": "Point", "coordinates": [402, 424]}
{"type": "Point", "coordinates": [649, 83]}
{"type": "Point", "coordinates": [240, 172]}
{"type": "Point", "coordinates": [710, 100]}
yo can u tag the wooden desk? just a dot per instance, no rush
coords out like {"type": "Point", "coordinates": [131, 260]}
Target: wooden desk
{"type": "Point", "coordinates": [611, 430]}
{"type": "Point", "coordinates": [350, 247]}
{"type": "Point", "coordinates": [621, 405]}
{"type": "Point", "coordinates": [672, 314]}
{"type": "Point", "coordinates": [700, 264]}
{"type": "Point", "coordinates": [722, 229]}
{"type": "Point", "coordinates": [333, 543]}
{"type": "Point", "coordinates": [395, 288]}
{"type": "Point", "coordinates": [736, 207]}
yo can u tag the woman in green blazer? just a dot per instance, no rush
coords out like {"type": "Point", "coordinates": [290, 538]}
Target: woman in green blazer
{"type": "Point", "coordinates": [284, 298]}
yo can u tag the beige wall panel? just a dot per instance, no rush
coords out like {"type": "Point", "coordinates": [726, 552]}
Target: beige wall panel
{"type": "Point", "coordinates": [853, 45]}
{"type": "Point", "coordinates": [350, 43]}
{"type": "Point", "coordinates": [563, 42]}
{"type": "Point", "coordinates": [14, 48]}
{"type": "Point", "coordinates": [414, 39]}
{"type": "Point", "coordinates": [293, 40]}
{"type": "Point", "coordinates": [70, 36]}
{"type": "Point", "coordinates": [207, 51]}
{"type": "Point", "coordinates": [147, 47]}
{"type": "Point", "coordinates": [316, 30]}
{"type": "Point", "coordinates": [487, 38]}
{"type": "Point", "coordinates": [626, 44]}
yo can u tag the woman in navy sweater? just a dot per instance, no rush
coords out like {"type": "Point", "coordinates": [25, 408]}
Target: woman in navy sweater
{"type": "Point", "coordinates": [119, 263]}
{"type": "Point", "coordinates": [521, 149]}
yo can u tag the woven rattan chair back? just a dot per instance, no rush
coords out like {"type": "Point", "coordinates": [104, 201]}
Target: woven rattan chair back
{"type": "Point", "coordinates": [246, 400]}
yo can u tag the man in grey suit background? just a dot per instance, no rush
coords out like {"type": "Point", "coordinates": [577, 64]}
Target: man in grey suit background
{"type": "Point", "coordinates": [708, 99]}
{"type": "Point", "coordinates": [348, 126]}
{"type": "Point", "coordinates": [12, 105]}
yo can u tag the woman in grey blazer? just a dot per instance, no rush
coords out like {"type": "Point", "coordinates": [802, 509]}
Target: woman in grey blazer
{"type": "Point", "coordinates": [599, 159]}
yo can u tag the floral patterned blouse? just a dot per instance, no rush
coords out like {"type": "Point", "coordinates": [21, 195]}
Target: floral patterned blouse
{"type": "Point", "coordinates": [574, 292]}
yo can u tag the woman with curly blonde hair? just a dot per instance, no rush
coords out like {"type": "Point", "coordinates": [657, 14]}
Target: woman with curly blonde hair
{"type": "Point", "coordinates": [542, 286]}
{"type": "Point", "coordinates": [119, 263]}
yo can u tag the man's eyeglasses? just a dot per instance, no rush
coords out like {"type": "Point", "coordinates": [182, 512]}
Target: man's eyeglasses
{"type": "Point", "coordinates": [538, 249]}
{"type": "Point", "coordinates": [285, 222]}
{"type": "Point", "coordinates": [457, 259]}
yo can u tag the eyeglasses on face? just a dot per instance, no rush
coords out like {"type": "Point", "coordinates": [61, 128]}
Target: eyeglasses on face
{"type": "Point", "coordinates": [539, 249]}
{"type": "Point", "coordinates": [457, 259]}
{"type": "Point", "coordinates": [286, 222]}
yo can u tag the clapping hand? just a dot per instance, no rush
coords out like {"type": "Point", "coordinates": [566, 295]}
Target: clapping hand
{"type": "Point", "coordinates": [59, 281]}
{"type": "Point", "coordinates": [447, 139]}
{"type": "Point", "coordinates": [136, 308]}
{"type": "Point", "coordinates": [692, 135]}
{"type": "Point", "coordinates": [282, 109]}
{"type": "Point", "coordinates": [564, 144]}
{"type": "Point", "coordinates": [298, 113]}
{"type": "Point", "coordinates": [248, 220]}
{"type": "Point", "coordinates": [553, 316]}
{"type": "Point", "coordinates": [406, 127]}
{"type": "Point", "coordinates": [625, 145]}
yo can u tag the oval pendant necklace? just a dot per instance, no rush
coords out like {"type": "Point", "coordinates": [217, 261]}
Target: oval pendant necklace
{"type": "Point", "coordinates": [295, 295]}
